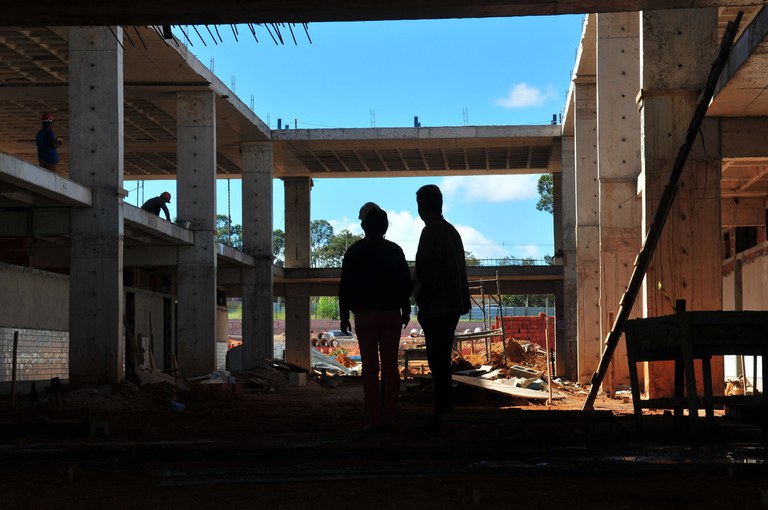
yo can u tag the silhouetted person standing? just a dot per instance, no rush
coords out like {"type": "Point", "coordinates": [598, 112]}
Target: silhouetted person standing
{"type": "Point", "coordinates": [47, 145]}
{"type": "Point", "coordinates": [441, 292]}
{"type": "Point", "coordinates": [156, 204]}
{"type": "Point", "coordinates": [376, 287]}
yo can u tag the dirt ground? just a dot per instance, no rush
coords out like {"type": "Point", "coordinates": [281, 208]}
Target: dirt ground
{"type": "Point", "coordinates": [280, 446]}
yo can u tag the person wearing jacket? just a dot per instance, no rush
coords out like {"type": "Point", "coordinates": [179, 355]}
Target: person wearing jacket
{"type": "Point", "coordinates": [376, 287]}
{"type": "Point", "coordinates": [441, 292]}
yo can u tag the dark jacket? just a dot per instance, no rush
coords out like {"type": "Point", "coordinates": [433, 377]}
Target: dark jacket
{"type": "Point", "coordinates": [46, 146]}
{"type": "Point", "coordinates": [154, 205]}
{"type": "Point", "coordinates": [374, 276]}
{"type": "Point", "coordinates": [440, 277]}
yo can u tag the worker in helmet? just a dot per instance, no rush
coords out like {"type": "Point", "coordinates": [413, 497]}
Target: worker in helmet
{"type": "Point", "coordinates": [154, 205]}
{"type": "Point", "coordinates": [47, 145]}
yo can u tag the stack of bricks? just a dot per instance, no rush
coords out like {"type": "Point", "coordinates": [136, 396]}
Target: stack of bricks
{"type": "Point", "coordinates": [529, 329]}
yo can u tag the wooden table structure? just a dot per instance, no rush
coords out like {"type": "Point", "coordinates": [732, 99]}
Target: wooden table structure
{"type": "Point", "coordinates": [685, 337]}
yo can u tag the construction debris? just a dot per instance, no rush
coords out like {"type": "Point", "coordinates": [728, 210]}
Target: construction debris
{"type": "Point", "coordinates": [524, 380]}
{"type": "Point", "coordinates": [508, 387]}
{"type": "Point", "coordinates": [322, 362]}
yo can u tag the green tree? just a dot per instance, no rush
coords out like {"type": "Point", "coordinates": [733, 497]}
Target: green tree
{"type": "Point", "coordinates": [528, 300]}
{"type": "Point", "coordinates": [545, 187]}
{"type": "Point", "coordinates": [226, 233]}
{"type": "Point", "coordinates": [278, 247]}
{"type": "Point", "coordinates": [470, 259]}
{"type": "Point", "coordinates": [332, 253]}
{"type": "Point", "coordinates": [327, 307]}
{"type": "Point", "coordinates": [320, 235]}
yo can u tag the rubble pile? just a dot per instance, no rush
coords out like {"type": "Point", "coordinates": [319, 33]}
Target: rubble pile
{"type": "Point", "coordinates": [120, 397]}
{"type": "Point", "coordinates": [345, 360]}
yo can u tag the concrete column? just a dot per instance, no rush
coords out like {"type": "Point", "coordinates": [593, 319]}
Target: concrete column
{"type": "Point", "coordinates": [678, 47]}
{"type": "Point", "coordinates": [587, 229]}
{"type": "Point", "coordinates": [258, 330]}
{"type": "Point", "coordinates": [97, 306]}
{"type": "Point", "coordinates": [297, 255]}
{"type": "Point", "coordinates": [619, 163]}
{"type": "Point", "coordinates": [196, 199]}
{"type": "Point", "coordinates": [567, 334]}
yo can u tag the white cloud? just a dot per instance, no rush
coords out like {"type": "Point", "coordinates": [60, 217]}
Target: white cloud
{"type": "Point", "coordinates": [346, 224]}
{"type": "Point", "coordinates": [405, 230]}
{"type": "Point", "coordinates": [490, 188]}
{"type": "Point", "coordinates": [523, 95]}
{"type": "Point", "coordinates": [480, 246]}
{"type": "Point", "coordinates": [524, 251]}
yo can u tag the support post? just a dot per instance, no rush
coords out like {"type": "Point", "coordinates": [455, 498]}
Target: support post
{"type": "Point", "coordinates": [297, 255]}
{"type": "Point", "coordinates": [566, 345]}
{"type": "Point", "coordinates": [196, 287]}
{"type": "Point", "coordinates": [96, 301]}
{"type": "Point", "coordinates": [618, 142]}
{"type": "Point", "coordinates": [665, 204]}
{"type": "Point", "coordinates": [258, 329]}
{"type": "Point", "coordinates": [587, 229]}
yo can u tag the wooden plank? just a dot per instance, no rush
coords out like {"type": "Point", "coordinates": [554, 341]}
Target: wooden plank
{"type": "Point", "coordinates": [505, 388]}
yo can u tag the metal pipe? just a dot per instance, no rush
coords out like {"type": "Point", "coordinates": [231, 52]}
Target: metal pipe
{"type": "Point", "coordinates": [13, 369]}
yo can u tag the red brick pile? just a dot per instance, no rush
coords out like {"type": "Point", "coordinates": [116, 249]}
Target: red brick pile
{"type": "Point", "coordinates": [529, 329]}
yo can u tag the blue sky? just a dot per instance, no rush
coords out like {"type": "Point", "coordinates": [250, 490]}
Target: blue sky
{"type": "Point", "coordinates": [498, 71]}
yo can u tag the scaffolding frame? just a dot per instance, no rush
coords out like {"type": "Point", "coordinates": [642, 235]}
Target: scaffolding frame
{"type": "Point", "coordinates": [480, 296]}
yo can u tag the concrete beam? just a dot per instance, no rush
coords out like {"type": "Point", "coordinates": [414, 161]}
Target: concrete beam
{"type": "Point", "coordinates": [52, 221]}
{"type": "Point", "coordinates": [482, 136]}
{"type": "Point", "coordinates": [744, 137]}
{"type": "Point", "coordinates": [39, 181]}
{"type": "Point", "coordinates": [742, 212]}
{"type": "Point", "coordinates": [150, 256]}
{"type": "Point", "coordinates": [139, 219]}
{"type": "Point", "coordinates": [227, 254]}
{"type": "Point", "coordinates": [741, 88]}
{"type": "Point", "coordinates": [176, 12]}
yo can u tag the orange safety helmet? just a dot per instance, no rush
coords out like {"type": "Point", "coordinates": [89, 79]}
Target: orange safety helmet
{"type": "Point", "coordinates": [47, 117]}
{"type": "Point", "coordinates": [166, 196]}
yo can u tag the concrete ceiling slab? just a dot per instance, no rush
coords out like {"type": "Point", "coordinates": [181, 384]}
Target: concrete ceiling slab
{"type": "Point", "coordinates": [190, 12]}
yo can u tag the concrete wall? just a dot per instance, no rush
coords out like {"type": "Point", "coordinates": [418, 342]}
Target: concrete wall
{"type": "Point", "coordinates": [41, 355]}
{"type": "Point", "coordinates": [36, 304]}
{"type": "Point", "coordinates": [753, 283]}
{"type": "Point", "coordinates": [33, 299]}
{"type": "Point", "coordinates": [150, 310]}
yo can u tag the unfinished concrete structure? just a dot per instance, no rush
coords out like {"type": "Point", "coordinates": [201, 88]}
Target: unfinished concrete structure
{"type": "Point", "coordinates": [151, 110]}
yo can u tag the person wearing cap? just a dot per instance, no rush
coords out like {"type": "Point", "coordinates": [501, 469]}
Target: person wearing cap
{"type": "Point", "coordinates": [366, 208]}
{"type": "Point", "coordinates": [376, 287]}
{"type": "Point", "coordinates": [47, 145]}
{"type": "Point", "coordinates": [154, 205]}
